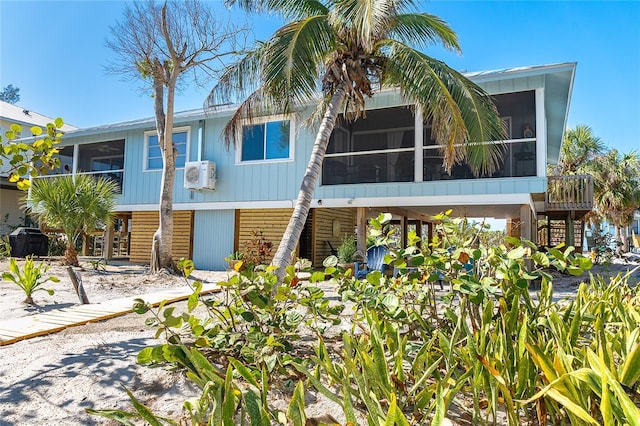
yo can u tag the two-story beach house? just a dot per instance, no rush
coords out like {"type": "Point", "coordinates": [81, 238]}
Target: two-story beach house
{"type": "Point", "coordinates": [386, 162]}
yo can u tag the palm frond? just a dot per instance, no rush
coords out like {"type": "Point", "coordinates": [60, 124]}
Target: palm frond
{"type": "Point", "coordinates": [256, 104]}
{"type": "Point", "coordinates": [288, 9]}
{"type": "Point", "coordinates": [422, 30]}
{"type": "Point", "coordinates": [360, 22]}
{"type": "Point", "coordinates": [72, 203]}
{"type": "Point", "coordinates": [462, 115]}
{"type": "Point", "coordinates": [239, 79]}
{"type": "Point", "coordinates": [277, 75]}
{"type": "Point", "coordinates": [296, 57]}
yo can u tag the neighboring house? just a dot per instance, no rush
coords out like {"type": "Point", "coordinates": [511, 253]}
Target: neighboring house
{"type": "Point", "coordinates": [631, 234]}
{"type": "Point", "coordinates": [386, 162]}
{"type": "Point", "coordinates": [635, 232]}
{"type": "Point", "coordinates": [11, 212]}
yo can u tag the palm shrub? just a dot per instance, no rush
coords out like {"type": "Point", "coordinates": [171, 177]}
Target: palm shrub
{"type": "Point", "coordinates": [589, 355]}
{"type": "Point", "coordinates": [30, 279]}
{"type": "Point", "coordinates": [74, 204]}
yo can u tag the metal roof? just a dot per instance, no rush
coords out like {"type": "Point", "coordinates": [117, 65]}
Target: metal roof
{"type": "Point", "coordinates": [25, 117]}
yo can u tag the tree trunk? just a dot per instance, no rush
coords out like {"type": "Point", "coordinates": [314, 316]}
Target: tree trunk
{"type": "Point", "coordinates": [163, 237]}
{"type": "Point", "coordinates": [620, 246]}
{"type": "Point", "coordinates": [71, 256]}
{"type": "Point", "coordinates": [625, 240]}
{"type": "Point", "coordinates": [70, 253]}
{"type": "Point", "coordinates": [291, 236]}
{"type": "Point", "coordinates": [77, 285]}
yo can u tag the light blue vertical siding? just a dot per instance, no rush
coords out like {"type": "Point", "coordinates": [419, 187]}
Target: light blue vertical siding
{"type": "Point", "coordinates": [278, 181]}
{"type": "Point", "coordinates": [212, 238]}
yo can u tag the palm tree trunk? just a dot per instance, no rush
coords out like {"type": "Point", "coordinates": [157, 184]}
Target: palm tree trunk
{"type": "Point", "coordinates": [70, 254]}
{"type": "Point", "coordinates": [291, 236]}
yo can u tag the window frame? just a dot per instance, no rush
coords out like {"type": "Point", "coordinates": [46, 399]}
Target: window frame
{"type": "Point", "coordinates": [264, 121]}
{"type": "Point", "coordinates": [148, 133]}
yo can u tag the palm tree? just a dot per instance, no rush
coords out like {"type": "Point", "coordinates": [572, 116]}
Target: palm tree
{"type": "Point", "coordinates": [351, 48]}
{"type": "Point", "coordinates": [579, 148]}
{"type": "Point", "coordinates": [74, 204]}
{"type": "Point", "coordinates": [616, 181]}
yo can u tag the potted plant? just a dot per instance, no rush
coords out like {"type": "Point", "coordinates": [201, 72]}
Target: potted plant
{"type": "Point", "coordinates": [234, 258]}
{"type": "Point", "coordinates": [348, 252]}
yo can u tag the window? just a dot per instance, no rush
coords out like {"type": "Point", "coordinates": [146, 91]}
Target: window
{"type": "Point", "coordinates": [266, 141]}
{"type": "Point", "coordinates": [153, 159]}
{"type": "Point", "coordinates": [380, 148]}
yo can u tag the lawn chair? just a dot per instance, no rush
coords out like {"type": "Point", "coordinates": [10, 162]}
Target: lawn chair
{"type": "Point", "coordinates": [375, 261]}
{"type": "Point", "coordinates": [334, 252]}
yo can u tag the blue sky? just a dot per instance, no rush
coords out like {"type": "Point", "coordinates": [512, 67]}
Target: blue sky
{"type": "Point", "coordinates": [54, 51]}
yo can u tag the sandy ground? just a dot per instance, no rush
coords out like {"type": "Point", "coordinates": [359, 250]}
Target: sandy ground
{"type": "Point", "coordinates": [50, 380]}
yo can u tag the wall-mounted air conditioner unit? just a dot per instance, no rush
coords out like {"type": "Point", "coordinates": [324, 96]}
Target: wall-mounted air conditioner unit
{"type": "Point", "coordinates": [200, 175]}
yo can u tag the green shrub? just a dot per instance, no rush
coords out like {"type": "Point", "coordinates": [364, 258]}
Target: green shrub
{"type": "Point", "coordinates": [30, 279]}
{"type": "Point", "coordinates": [251, 322]}
{"type": "Point", "coordinates": [490, 349]}
{"type": "Point", "coordinates": [5, 246]}
{"type": "Point", "coordinates": [98, 264]}
{"type": "Point", "coordinates": [347, 250]}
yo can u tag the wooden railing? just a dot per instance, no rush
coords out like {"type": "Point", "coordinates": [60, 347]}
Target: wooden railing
{"type": "Point", "coordinates": [569, 193]}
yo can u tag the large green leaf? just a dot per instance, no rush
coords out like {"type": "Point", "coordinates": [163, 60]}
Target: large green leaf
{"type": "Point", "coordinates": [630, 371]}
{"type": "Point", "coordinates": [295, 411]}
{"type": "Point", "coordinates": [316, 383]}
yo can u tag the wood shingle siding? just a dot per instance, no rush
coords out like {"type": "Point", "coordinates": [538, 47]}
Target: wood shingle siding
{"type": "Point", "coordinates": [271, 222]}
{"type": "Point", "coordinates": [331, 225]}
{"type": "Point", "coordinates": [145, 224]}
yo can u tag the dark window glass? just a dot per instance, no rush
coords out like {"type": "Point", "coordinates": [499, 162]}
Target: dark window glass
{"type": "Point", "coordinates": [266, 141]}
{"type": "Point", "coordinates": [154, 155]}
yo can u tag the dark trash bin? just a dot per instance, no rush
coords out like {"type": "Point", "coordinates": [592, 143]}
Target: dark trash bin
{"type": "Point", "coordinates": [28, 242]}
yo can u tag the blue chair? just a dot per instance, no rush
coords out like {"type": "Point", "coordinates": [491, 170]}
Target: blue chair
{"type": "Point", "coordinates": [375, 261]}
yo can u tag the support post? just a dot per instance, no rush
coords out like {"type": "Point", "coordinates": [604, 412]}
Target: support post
{"type": "Point", "coordinates": [418, 161]}
{"type": "Point", "coordinates": [361, 235]}
{"type": "Point", "coordinates": [525, 222]}
{"type": "Point", "coordinates": [107, 243]}
{"type": "Point", "coordinates": [569, 233]}
{"type": "Point", "coordinates": [404, 231]}
{"type": "Point", "coordinates": [86, 244]}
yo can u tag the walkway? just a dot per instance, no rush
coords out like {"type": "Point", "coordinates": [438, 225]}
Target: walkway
{"type": "Point", "coordinates": [50, 322]}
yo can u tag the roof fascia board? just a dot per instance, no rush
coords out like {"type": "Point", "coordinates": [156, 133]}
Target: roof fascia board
{"type": "Point", "coordinates": [150, 122]}
{"type": "Point", "coordinates": [485, 76]}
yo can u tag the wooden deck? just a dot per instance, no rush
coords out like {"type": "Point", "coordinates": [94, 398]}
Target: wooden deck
{"type": "Point", "coordinates": [50, 322]}
{"type": "Point", "coordinates": [569, 194]}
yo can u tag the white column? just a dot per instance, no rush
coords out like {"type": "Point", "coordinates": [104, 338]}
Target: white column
{"type": "Point", "coordinates": [419, 136]}
{"type": "Point", "coordinates": [76, 158]}
{"type": "Point", "coordinates": [541, 135]}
